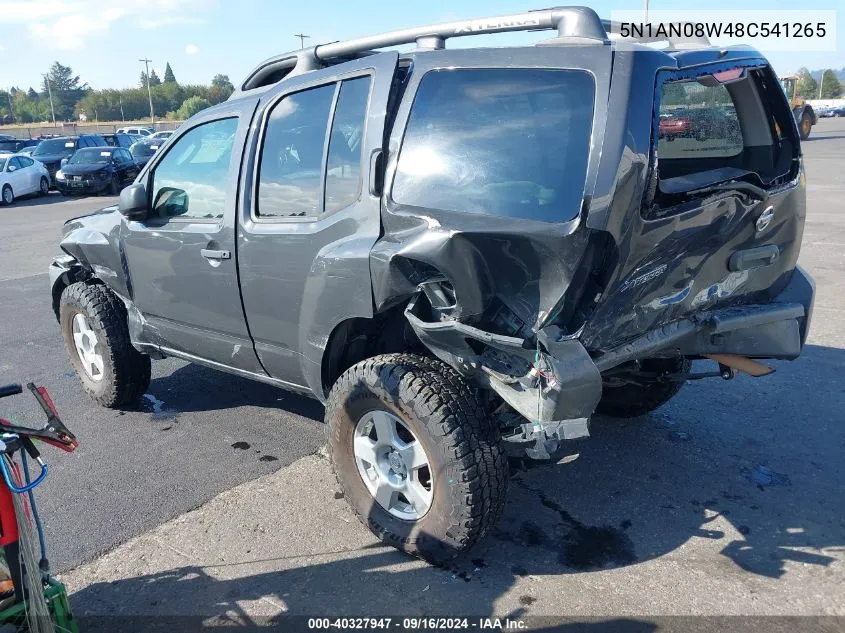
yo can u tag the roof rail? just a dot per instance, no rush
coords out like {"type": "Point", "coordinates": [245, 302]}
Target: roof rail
{"type": "Point", "coordinates": [669, 33]}
{"type": "Point", "coordinates": [570, 22]}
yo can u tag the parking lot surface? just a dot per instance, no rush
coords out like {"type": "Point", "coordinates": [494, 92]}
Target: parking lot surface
{"type": "Point", "coordinates": [726, 501]}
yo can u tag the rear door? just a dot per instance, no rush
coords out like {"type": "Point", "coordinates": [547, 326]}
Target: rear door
{"type": "Point", "coordinates": [706, 212]}
{"type": "Point", "coordinates": [310, 217]}
{"type": "Point", "coordinates": [33, 175]}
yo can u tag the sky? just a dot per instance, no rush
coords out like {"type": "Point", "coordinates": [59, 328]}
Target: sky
{"type": "Point", "coordinates": [102, 40]}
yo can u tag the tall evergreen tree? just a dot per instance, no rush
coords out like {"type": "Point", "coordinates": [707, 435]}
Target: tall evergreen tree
{"type": "Point", "coordinates": [169, 77]}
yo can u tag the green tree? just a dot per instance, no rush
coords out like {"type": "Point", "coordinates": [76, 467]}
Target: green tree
{"type": "Point", "coordinates": [191, 106]}
{"type": "Point", "coordinates": [806, 86]}
{"type": "Point", "coordinates": [222, 81]}
{"type": "Point", "coordinates": [154, 79]}
{"type": "Point", "coordinates": [31, 94]}
{"type": "Point", "coordinates": [831, 88]}
{"type": "Point", "coordinates": [65, 88]}
{"type": "Point", "coordinates": [169, 77]}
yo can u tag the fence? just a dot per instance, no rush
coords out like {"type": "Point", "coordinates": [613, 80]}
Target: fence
{"type": "Point", "coordinates": [70, 129]}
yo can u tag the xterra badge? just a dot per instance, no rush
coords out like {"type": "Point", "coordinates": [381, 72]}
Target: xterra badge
{"type": "Point", "coordinates": [645, 277]}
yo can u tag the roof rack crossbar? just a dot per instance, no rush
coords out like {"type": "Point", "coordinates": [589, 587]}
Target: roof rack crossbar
{"type": "Point", "coordinates": [570, 22]}
{"type": "Point", "coordinates": [580, 22]}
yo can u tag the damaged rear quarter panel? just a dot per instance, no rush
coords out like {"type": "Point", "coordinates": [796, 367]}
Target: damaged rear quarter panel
{"type": "Point", "coordinates": [529, 264]}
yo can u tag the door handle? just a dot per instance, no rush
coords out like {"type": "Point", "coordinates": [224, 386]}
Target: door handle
{"type": "Point", "coordinates": [218, 255]}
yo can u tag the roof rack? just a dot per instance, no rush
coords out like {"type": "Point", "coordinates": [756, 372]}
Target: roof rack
{"type": "Point", "coordinates": [668, 33]}
{"type": "Point", "coordinates": [573, 23]}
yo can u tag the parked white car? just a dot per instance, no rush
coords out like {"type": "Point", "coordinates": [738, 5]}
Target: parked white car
{"type": "Point", "coordinates": [163, 135]}
{"type": "Point", "coordinates": [140, 131]}
{"type": "Point", "coordinates": [21, 175]}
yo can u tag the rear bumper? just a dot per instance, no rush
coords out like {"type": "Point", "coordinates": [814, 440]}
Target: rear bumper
{"type": "Point", "coordinates": [571, 383]}
{"type": "Point", "coordinates": [777, 329]}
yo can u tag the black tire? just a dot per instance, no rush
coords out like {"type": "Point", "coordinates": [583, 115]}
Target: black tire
{"type": "Point", "coordinates": [469, 467]}
{"type": "Point", "coordinates": [126, 372]}
{"type": "Point", "coordinates": [114, 186]}
{"type": "Point", "coordinates": [7, 196]}
{"type": "Point", "coordinates": [632, 400]}
{"type": "Point", "coordinates": [805, 125]}
{"type": "Point", "coordinates": [44, 186]}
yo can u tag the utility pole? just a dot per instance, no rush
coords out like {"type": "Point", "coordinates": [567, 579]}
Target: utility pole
{"type": "Point", "coordinates": [645, 19]}
{"type": "Point", "coordinates": [120, 101]}
{"type": "Point", "coordinates": [149, 92]}
{"type": "Point", "coordinates": [50, 92]}
{"type": "Point", "coordinates": [302, 39]}
{"type": "Point", "coordinates": [821, 83]}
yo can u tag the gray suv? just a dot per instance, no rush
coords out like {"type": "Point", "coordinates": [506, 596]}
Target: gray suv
{"type": "Point", "coordinates": [464, 253]}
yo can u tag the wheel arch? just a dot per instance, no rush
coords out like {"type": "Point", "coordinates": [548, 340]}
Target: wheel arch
{"type": "Point", "coordinates": [355, 339]}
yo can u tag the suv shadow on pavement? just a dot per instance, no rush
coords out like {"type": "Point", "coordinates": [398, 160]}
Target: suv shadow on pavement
{"type": "Point", "coordinates": [761, 493]}
{"type": "Point", "coordinates": [196, 388]}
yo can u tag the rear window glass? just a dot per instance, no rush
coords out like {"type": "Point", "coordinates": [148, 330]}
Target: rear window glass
{"type": "Point", "coordinates": [697, 121]}
{"type": "Point", "coordinates": [510, 142]}
{"type": "Point", "coordinates": [733, 124]}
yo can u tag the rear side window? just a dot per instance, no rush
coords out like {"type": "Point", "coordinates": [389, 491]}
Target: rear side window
{"type": "Point", "coordinates": [343, 170]}
{"type": "Point", "coordinates": [296, 177]}
{"type": "Point", "coordinates": [511, 142]}
{"type": "Point", "coordinates": [292, 155]}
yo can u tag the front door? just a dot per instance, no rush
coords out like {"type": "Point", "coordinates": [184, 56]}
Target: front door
{"type": "Point", "coordinates": [182, 257]}
{"type": "Point", "coordinates": [312, 216]}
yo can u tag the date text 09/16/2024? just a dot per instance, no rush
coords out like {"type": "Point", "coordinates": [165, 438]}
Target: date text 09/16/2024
{"type": "Point", "coordinates": [416, 623]}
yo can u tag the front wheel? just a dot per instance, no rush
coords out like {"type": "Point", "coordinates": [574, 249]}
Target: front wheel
{"type": "Point", "coordinates": [44, 186]}
{"type": "Point", "coordinates": [635, 393]}
{"type": "Point", "coordinates": [96, 336]}
{"type": "Point", "coordinates": [8, 196]}
{"type": "Point", "coordinates": [418, 460]}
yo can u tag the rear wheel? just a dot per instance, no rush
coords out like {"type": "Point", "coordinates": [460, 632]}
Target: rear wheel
{"type": "Point", "coordinates": [8, 196]}
{"type": "Point", "coordinates": [805, 125]}
{"type": "Point", "coordinates": [93, 324]}
{"type": "Point", "coordinates": [418, 460]}
{"type": "Point", "coordinates": [641, 391]}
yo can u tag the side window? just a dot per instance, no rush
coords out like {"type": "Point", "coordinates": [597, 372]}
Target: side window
{"type": "Point", "coordinates": [190, 181]}
{"type": "Point", "coordinates": [343, 170]}
{"type": "Point", "coordinates": [14, 164]}
{"type": "Point", "coordinates": [125, 156]}
{"type": "Point", "coordinates": [292, 155]}
{"type": "Point", "coordinates": [83, 142]}
{"type": "Point", "coordinates": [25, 162]}
{"type": "Point", "coordinates": [697, 120]}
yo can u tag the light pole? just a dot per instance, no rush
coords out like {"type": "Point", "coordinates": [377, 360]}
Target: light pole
{"type": "Point", "coordinates": [149, 92]}
{"type": "Point", "coordinates": [50, 92]}
{"type": "Point", "coordinates": [302, 39]}
{"type": "Point", "coordinates": [821, 83]}
{"type": "Point", "coordinates": [120, 101]}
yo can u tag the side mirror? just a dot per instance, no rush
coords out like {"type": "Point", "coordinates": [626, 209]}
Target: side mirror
{"type": "Point", "coordinates": [64, 162]}
{"type": "Point", "coordinates": [133, 202]}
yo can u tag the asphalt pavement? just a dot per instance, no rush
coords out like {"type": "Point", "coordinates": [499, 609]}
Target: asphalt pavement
{"type": "Point", "coordinates": [728, 500]}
